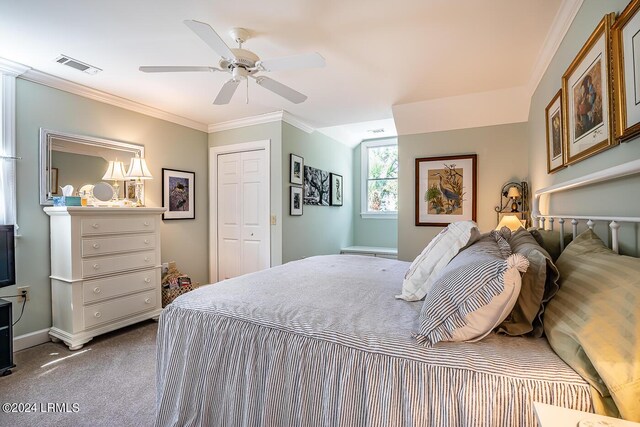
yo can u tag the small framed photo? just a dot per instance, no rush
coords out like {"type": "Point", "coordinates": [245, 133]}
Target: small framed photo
{"type": "Point", "coordinates": [178, 194]}
{"type": "Point", "coordinates": [335, 189]}
{"type": "Point", "coordinates": [445, 189]}
{"type": "Point", "coordinates": [295, 208]}
{"type": "Point", "coordinates": [297, 169]}
{"type": "Point", "coordinates": [555, 131]}
{"type": "Point", "coordinates": [130, 189]}
{"type": "Point", "coordinates": [587, 97]}
{"type": "Point", "coordinates": [54, 189]}
{"type": "Point", "coordinates": [626, 71]}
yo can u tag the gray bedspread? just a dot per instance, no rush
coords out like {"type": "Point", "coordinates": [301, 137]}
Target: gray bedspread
{"type": "Point", "coordinates": [323, 341]}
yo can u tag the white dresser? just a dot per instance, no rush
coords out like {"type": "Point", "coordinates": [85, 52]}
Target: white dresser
{"type": "Point", "coordinates": [105, 270]}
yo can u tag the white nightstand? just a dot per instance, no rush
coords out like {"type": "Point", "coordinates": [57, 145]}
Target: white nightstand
{"type": "Point", "coordinates": [556, 416]}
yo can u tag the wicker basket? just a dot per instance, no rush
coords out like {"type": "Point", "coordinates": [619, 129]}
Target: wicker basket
{"type": "Point", "coordinates": [169, 294]}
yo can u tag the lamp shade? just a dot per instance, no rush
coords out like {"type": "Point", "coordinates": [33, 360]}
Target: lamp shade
{"type": "Point", "coordinates": [513, 193]}
{"type": "Point", "coordinates": [138, 169]}
{"type": "Point", "coordinates": [115, 171]}
{"type": "Point", "coordinates": [510, 221]}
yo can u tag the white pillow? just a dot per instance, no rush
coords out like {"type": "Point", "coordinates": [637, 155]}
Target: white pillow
{"type": "Point", "coordinates": [474, 294]}
{"type": "Point", "coordinates": [424, 270]}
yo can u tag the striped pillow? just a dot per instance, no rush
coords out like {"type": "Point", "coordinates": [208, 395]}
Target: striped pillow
{"type": "Point", "coordinates": [593, 322]}
{"type": "Point", "coordinates": [425, 269]}
{"type": "Point", "coordinates": [474, 293]}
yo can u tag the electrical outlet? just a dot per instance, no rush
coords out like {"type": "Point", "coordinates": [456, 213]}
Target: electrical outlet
{"type": "Point", "coordinates": [23, 288]}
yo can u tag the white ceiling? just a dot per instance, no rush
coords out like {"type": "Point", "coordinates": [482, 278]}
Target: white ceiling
{"type": "Point", "coordinates": [379, 53]}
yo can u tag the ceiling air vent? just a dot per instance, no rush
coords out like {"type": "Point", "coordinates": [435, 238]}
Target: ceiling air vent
{"type": "Point", "coordinates": [78, 65]}
{"type": "Point", "coordinates": [379, 130]}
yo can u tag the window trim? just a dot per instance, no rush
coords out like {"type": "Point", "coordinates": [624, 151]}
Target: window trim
{"type": "Point", "coordinates": [365, 213]}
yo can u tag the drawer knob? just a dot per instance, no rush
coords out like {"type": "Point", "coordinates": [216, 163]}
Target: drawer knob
{"type": "Point", "coordinates": [97, 314]}
{"type": "Point", "coordinates": [146, 259]}
{"type": "Point", "coordinates": [147, 280]}
{"type": "Point", "coordinates": [95, 225]}
{"type": "Point", "coordinates": [96, 245]}
{"type": "Point", "coordinates": [146, 223]}
{"type": "Point", "coordinates": [96, 267]}
{"type": "Point", "coordinates": [97, 290]}
{"type": "Point", "coordinates": [147, 301]}
{"type": "Point", "coordinates": [146, 241]}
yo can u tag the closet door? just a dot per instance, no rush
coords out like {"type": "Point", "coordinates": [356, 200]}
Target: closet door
{"type": "Point", "coordinates": [243, 213]}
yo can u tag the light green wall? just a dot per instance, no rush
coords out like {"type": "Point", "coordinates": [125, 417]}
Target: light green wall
{"type": "Point", "coordinates": [614, 198]}
{"type": "Point", "coordinates": [366, 231]}
{"type": "Point", "coordinates": [267, 131]}
{"type": "Point", "coordinates": [166, 144]}
{"type": "Point", "coordinates": [321, 229]}
{"type": "Point", "coordinates": [500, 160]}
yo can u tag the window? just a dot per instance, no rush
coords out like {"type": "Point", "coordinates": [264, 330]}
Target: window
{"type": "Point", "coordinates": [379, 167]}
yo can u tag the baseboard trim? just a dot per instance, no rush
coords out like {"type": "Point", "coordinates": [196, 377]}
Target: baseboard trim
{"type": "Point", "coordinates": [31, 339]}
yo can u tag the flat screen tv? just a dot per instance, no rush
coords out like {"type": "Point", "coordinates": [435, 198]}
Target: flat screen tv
{"type": "Point", "coordinates": [7, 256]}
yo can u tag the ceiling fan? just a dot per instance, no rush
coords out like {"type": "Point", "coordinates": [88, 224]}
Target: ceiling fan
{"type": "Point", "coordinates": [242, 63]}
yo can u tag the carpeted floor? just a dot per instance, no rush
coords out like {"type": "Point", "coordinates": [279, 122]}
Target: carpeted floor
{"type": "Point", "coordinates": [109, 382]}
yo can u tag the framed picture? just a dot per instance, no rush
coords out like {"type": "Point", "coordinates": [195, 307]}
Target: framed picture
{"type": "Point", "coordinates": [626, 71]}
{"type": "Point", "coordinates": [295, 208]}
{"type": "Point", "coordinates": [335, 189]}
{"type": "Point", "coordinates": [555, 145]}
{"type": "Point", "coordinates": [586, 97]}
{"type": "Point", "coordinates": [54, 189]}
{"type": "Point", "coordinates": [297, 169]}
{"type": "Point", "coordinates": [178, 194]}
{"type": "Point", "coordinates": [130, 189]}
{"type": "Point", "coordinates": [316, 186]}
{"type": "Point", "coordinates": [445, 189]}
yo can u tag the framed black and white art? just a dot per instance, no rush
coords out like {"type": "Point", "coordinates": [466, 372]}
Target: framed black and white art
{"type": "Point", "coordinates": [297, 169]}
{"type": "Point", "coordinates": [295, 208]}
{"type": "Point", "coordinates": [335, 189]}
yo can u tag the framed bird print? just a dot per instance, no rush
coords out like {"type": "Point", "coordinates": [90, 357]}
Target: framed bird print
{"type": "Point", "coordinates": [178, 194]}
{"type": "Point", "coordinates": [445, 189]}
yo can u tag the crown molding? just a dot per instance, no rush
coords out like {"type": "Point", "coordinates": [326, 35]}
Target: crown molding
{"type": "Point", "coordinates": [12, 68]}
{"type": "Point", "coordinates": [87, 92]}
{"type": "Point", "coordinates": [276, 116]}
{"type": "Point", "coordinates": [559, 27]}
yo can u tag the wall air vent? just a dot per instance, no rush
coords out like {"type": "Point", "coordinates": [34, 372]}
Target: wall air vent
{"type": "Point", "coordinates": [379, 130]}
{"type": "Point", "coordinates": [78, 65]}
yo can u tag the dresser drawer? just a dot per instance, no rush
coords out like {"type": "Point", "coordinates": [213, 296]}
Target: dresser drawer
{"type": "Point", "coordinates": [109, 311]}
{"type": "Point", "coordinates": [113, 286]}
{"type": "Point", "coordinates": [132, 224]}
{"type": "Point", "coordinates": [113, 264]}
{"type": "Point", "coordinates": [110, 245]}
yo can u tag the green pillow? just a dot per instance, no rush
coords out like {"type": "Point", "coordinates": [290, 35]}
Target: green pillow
{"type": "Point", "coordinates": [593, 323]}
{"type": "Point", "coordinates": [539, 285]}
{"type": "Point", "coordinates": [550, 241]}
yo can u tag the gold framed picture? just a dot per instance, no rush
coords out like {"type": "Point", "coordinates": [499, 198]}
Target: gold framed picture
{"type": "Point", "coordinates": [625, 35]}
{"type": "Point", "coordinates": [587, 97]}
{"type": "Point", "coordinates": [555, 134]}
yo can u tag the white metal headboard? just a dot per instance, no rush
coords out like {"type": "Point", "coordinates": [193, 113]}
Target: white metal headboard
{"type": "Point", "coordinates": [614, 172]}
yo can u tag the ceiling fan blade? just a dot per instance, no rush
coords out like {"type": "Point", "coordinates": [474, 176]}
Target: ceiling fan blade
{"type": "Point", "coordinates": [305, 60]}
{"type": "Point", "coordinates": [226, 93]}
{"type": "Point", "coordinates": [210, 37]}
{"type": "Point", "coordinates": [280, 89]}
{"type": "Point", "coordinates": [174, 69]}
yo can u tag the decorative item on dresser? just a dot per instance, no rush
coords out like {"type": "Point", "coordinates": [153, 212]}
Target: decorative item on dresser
{"type": "Point", "coordinates": [514, 201]}
{"type": "Point", "coordinates": [105, 270]}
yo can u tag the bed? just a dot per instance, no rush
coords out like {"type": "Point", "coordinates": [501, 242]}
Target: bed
{"type": "Point", "coordinates": [322, 341]}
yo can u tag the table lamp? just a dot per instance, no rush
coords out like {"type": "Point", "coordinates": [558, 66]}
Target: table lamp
{"type": "Point", "coordinates": [514, 194]}
{"type": "Point", "coordinates": [138, 170]}
{"type": "Point", "coordinates": [115, 173]}
{"type": "Point", "coordinates": [511, 222]}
